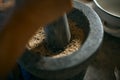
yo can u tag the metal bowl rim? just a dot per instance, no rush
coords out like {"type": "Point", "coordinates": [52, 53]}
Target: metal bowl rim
{"type": "Point", "coordinates": [98, 5]}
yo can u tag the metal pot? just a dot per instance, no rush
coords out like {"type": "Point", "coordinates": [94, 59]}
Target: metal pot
{"type": "Point", "coordinates": [71, 65]}
{"type": "Point", "coordinates": [109, 11]}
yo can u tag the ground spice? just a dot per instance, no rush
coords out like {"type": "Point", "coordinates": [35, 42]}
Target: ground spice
{"type": "Point", "coordinates": [37, 42]}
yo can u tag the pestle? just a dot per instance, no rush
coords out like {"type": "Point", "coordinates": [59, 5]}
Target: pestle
{"type": "Point", "coordinates": [58, 34]}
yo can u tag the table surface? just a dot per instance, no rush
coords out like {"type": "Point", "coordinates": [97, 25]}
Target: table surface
{"type": "Point", "coordinates": [106, 66]}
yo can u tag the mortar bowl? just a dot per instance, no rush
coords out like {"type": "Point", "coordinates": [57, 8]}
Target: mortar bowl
{"type": "Point", "coordinates": [71, 65]}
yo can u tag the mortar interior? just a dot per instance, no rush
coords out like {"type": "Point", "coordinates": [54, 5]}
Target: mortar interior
{"type": "Point", "coordinates": [72, 64]}
{"type": "Point", "coordinates": [38, 45]}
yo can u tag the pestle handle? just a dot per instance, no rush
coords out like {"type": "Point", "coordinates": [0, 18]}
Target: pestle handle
{"type": "Point", "coordinates": [58, 34]}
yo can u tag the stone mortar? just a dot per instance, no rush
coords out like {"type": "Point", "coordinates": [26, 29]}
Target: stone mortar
{"type": "Point", "coordinates": [71, 65]}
